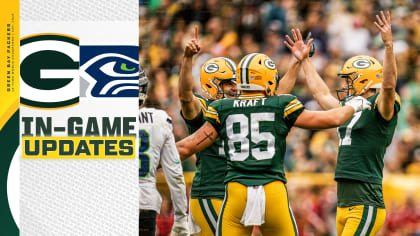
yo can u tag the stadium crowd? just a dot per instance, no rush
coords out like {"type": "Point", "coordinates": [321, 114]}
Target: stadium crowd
{"type": "Point", "coordinates": [340, 29]}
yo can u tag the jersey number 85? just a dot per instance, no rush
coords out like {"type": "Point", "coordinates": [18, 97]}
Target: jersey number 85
{"type": "Point", "coordinates": [241, 137]}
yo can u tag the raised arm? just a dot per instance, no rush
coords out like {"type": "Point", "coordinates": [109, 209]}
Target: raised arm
{"type": "Point", "coordinates": [190, 105]}
{"type": "Point", "coordinates": [333, 117]}
{"type": "Point", "coordinates": [386, 98]}
{"type": "Point", "coordinates": [198, 141]}
{"type": "Point", "coordinates": [316, 84]}
{"type": "Point", "coordinates": [287, 82]}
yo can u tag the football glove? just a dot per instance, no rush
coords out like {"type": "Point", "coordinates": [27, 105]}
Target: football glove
{"type": "Point", "coordinates": [358, 103]}
{"type": "Point", "coordinates": [180, 227]}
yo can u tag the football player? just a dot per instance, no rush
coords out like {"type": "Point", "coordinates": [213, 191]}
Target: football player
{"type": "Point", "coordinates": [157, 146]}
{"type": "Point", "coordinates": [218, 80]}
{"type": "Point", "coordinates": [364, 138]}
{"type": "Point", "coordinates": [253, 128]}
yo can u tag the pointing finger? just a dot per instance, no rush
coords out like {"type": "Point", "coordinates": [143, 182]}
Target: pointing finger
{"type": "Point", "coordinates": [196, 32]}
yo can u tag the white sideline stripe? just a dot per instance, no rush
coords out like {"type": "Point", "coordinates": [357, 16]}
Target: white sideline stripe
{"type": "Point", "coordinates": [207, 208]}
{"type": "Point", "coordinates": [219, 218]}
{"type": "Point", "coordinates": [368, 220]}
{"type": "Point", "coordinates": [59, 73]}
{"type": "Point", "coordinates": [293, 218]}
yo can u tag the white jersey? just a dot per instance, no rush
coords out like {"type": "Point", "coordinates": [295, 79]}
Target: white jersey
{"type": "Point", "coordinates": [157, 145]}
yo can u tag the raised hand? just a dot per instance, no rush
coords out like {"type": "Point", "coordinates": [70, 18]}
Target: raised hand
{"type": "Point", "coordinates": [299, 49]}
{"type": "Point", "coordinates": [384, 26]}
{"type": "Point", "coordinates": [192, 46]}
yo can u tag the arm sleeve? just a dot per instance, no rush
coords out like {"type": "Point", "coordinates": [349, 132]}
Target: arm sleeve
{"type": "Point", "coordinates": [292, 110]}
{"type": "Point", "coordinates": [172, 168]}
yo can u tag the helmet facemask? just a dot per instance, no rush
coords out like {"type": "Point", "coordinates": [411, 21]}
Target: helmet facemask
{"type": "Point", "coordinates": [349, 89]}
{"type": "Point", "coordinates": [218, 84]}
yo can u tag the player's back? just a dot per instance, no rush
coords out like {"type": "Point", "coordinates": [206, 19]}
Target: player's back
{"type": "Point", "coordinates": [254, 130]}
{"type": "Point", "coordinates": [155, 129]}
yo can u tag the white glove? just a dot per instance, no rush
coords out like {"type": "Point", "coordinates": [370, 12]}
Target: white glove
{"type": "Point", "coordinates": [358, 103]}
{"type": "Point", "coordinates": [180, 226]}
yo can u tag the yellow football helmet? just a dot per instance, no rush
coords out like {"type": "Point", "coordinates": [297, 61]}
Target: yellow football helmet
{"type": "Point", "coordinates": [257, 71]}
{"type": "Point", "coordinates": [213, 73]}
{"type": "Point", "coordinates": [361, 73]}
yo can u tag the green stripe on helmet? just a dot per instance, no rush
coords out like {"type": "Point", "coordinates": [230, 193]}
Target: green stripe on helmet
{"type": "Point", "coordinates": [244, 67]}
{"type": "Point", "coordinates": [230, 63]}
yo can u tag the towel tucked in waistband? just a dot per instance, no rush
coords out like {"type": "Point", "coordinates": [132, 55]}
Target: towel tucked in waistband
{"type": "Point", "coordinates": [255, 206]}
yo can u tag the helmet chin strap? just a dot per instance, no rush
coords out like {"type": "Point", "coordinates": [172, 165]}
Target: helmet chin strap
{"type": "Point", "coordinates": [365, 88]}
{"type": "Point", "coordinates": [220, 94]}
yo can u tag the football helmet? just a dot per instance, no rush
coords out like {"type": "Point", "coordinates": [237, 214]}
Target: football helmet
{"type": "Point", "coordinates": [361, 73]}
{"type": "Point", "coordinates": [143, 86]}
{"type": "Point", "coordinates": [257, 71]}
{"type": "Point", "coordinates": [213, 73]}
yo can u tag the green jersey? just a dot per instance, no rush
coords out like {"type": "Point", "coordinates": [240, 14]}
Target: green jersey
{"type": "Point", "coordinates": [363, 141]}
{"type": "Point", "coordinates": [211, 162]}
{"type": "Point", "coordinates": [254, 130]}
{"type": "Point", "coordinates": [353, 193]}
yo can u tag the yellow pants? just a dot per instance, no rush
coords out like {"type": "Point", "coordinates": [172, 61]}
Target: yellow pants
{"type": "Point", "coordinates": [359, 220]}
{"type": "Point", "coordinates": [205, 213]}
{"type": "Point", "coordinates": [279, 218]}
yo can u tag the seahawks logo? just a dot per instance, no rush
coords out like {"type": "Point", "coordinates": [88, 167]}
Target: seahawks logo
{"type": "Point", "coordinates": [211, 68]}
{"type": "Point", "coordinates": [269, 64]}
{"type": "Point", "coordinates": [110, 71]}
{"type": "Point", "coordinates": [49, 70]}
{"type": "Point", "coordinates": [361, 63]}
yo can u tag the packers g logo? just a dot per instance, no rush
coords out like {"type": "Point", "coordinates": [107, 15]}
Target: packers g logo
{"type": "Point", "coordinates": [49, 71]}
{"type": "Point", "coordinates": [361, 63]}
{"type": "Point", "coordinates": [269, 64]}
{"type": "Point", "coordinates": [211, 68]}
